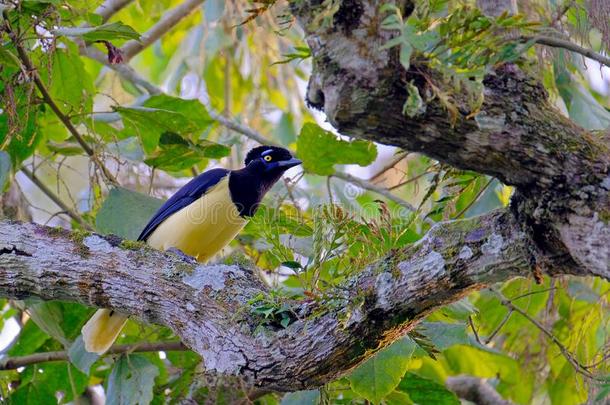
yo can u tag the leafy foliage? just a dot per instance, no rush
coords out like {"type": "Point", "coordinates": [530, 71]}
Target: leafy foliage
{"type": "Point", "coordinates": [320, 150]}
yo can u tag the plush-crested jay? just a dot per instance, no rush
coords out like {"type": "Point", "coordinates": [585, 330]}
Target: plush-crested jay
{"type": "Point", "coordinates": [200, 220]}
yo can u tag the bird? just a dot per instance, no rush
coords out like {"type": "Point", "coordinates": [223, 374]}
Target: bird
{"type": "Point", "coordinates": [199, 220]}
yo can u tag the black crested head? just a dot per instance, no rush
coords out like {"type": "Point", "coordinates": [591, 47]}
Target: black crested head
{"type": "Point", "coordinates": [276, 152]}
{"type": "Point", "coordinates": [264, 166]}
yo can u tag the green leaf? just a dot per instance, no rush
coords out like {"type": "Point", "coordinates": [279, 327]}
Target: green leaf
{"type": "Point", "coordinates": [292, 264]}
{"type": "Point", "coordinates": [108, 32]}
{"type": "Point", "coordinates": [125, 213]}
{"type": "Point", "coordinates": [398, 398]}
{"type": "Point", "coordinates": [31, 337]}
{"type": "Point", "coordinates": [310, 397]}
{"type": "Point", "coordinates": [131, 381]}
{"type": "Point", "coordinates": [444, 335]}
{"type": "Point", "coordinates": [164, 114]}
{"type": "Point", "coordinates": [5, 169]}
{"type": "Point", "coordinates": [381, 374]}
{"type": "Point", "coordinates": [40, 383]}
{"type": "Point", "coordinates": [459, 310]}
{"type": "Point", "coordinates": [424, 391]}
{"type": "Point", "coordinates": [8, 58]}
{"type": "Point", "coordinates": [23, 141]}
{"type": "Point", "coordinates": [49, 317]}
{"type": "Point", "coordinates": [81, 358]}
{"type": "Point", "coordinates": [320, 150]}
{"type": "Point", "coordinates": [192, 110]}
{"type": "Point", "coordinates": [405, 55]}
{"type": "Point", "coordinates": [177, 153]}
{"type": "Point", "coordinates": [72, 96]}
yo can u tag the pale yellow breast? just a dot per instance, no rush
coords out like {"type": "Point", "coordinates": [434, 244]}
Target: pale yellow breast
{"type": "Point", "coordinates": [203, 228]}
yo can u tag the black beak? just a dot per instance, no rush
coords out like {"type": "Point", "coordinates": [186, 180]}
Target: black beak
{"type": "Point", "coordinates": [289, 163]}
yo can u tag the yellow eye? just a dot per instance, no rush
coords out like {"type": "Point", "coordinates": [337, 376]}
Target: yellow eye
{"type": "Point", "coordinates": [268, 158]}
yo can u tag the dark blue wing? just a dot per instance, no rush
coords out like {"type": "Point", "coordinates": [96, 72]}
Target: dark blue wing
{"type": "Point", "coordinates": [188, 194]}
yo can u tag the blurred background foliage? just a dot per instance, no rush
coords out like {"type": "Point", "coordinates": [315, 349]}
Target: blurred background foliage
{"type": "Point", "coordinates": [203, 92]}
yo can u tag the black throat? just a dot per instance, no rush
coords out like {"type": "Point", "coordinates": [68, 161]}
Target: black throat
{"type": "Point", "coordinates": [248, 189]}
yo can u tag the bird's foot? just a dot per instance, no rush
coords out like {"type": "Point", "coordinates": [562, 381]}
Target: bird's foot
{"type": "Point", "coordinates": [182, 255]}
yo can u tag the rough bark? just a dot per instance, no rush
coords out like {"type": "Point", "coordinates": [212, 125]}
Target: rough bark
{"type": "Point", "coordinates": [207, 306]}
{"type": "Point", "coordinates": [561, 172]}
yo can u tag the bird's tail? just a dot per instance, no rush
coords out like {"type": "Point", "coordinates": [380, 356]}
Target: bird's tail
{"type": "Point", "coordinates": [100, 332]}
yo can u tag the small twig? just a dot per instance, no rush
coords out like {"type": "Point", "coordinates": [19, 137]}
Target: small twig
{"type": "Point", "coordinates": [533, 293]}
{"type": "Point", "coordinates": [11, 363]}
{"type": "Point", "coordinates": [397, 159]}
{"type": "Point", "coordinates": [493, 334]}
{"type": "Point", "coordinates": [474, 330]}
{"type": "Point", "coordinates": [329, 190]}
{"type": "Point", "coordinates": [570, 46]}
{"type": "Point", "coordinates": [411, 180]}
{"type": "Point", "coordinates": [110, 8]}
{"type": "Point", "coordinates": [67, 210]}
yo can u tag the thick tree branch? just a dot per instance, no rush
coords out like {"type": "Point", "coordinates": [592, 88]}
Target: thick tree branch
{"type": "Point", "coordinates": [207, 306]}
{"type": "Point", "coordinates": [561, 172]}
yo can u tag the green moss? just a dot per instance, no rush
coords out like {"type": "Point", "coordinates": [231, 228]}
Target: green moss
{"type": "Point", "coordinates": [78, 237]}
{"type": "Point", "coordinates": [57, 231]}
{"type": "Point", "coordinates": [132, 244]}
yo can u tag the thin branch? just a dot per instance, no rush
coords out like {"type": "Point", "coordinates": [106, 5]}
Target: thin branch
{"type": "Point", "coordinates": [493, 334]}
{"type": "Point", "coordinates": [570, 46]}
{"type": "Point", "coordinates": [564, 351]}
{"type": "Point", "coordinates": [474, 330]}
{"type": "Point", "coordinates": [411, 180]}
{"type": "Point", "coordinates": [110, 8]}
{"type": "Point", "coordinates": [397, 159]}
{"type": "Point", "coordinates": [169, 20]}
{"type": "Point", "coordinates": [27, 63]}
{"type": "Point", "coordinates": [240, 128]}
{"type": "Point", "coordinates": [12, 363]}
{"type": "Point", "coordinates": [53, 197]}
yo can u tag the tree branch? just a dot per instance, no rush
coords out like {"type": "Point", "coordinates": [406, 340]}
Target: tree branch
{"type": "Point", "coordinates": [207, 306]}
{"type": "Point", "coordinates": [166, 23]}
{"type": "Point", "coordinates": [11, 363]}
{"type": "Point", "coordinates": [475, 390]}
{"type": "Point", "coordinates": [110, 8]}
{"type": "Point", "coordinates": [570, 46]}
